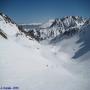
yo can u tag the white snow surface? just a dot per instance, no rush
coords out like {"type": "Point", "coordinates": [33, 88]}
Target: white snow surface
{"type": "Point", "coordinates": [47, 24]}
{"type": "Point", "coordinates": [9, 28]}
{"type": "Point", "coordinates": [32, 66]}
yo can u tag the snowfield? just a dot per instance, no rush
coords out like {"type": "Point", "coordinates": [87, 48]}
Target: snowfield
{"type": "Point", "coordinates": [8, 28]}
{"type": "Point", "coordinates": [35, 66]}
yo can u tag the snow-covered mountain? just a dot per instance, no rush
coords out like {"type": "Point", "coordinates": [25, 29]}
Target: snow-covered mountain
{"type": "Point", "coordinates": [9, 29]}
{"type": "Point", "coordinates": [61, 64]}
{"type": "Point", "coordinates": [53, 28]}
{"type": "Point", "coordinates": [8, 26]}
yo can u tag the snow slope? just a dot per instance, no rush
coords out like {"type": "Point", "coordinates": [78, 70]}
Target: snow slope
{"type": "Point", "coordinates": [7, 25]}
{"type": "Point", "coordinates": [41, 67]}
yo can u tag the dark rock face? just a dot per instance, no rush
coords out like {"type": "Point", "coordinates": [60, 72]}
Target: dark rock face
{"type": "Point", "coordinates": [3, 34]}
{"type": "Point", "coordinates": [71, 32]}
{"type": "Point", "coordinates": [7, 19]}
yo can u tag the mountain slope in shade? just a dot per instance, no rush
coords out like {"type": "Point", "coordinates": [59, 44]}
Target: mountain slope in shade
{"type": "Point", "coordinates": [84, 38]}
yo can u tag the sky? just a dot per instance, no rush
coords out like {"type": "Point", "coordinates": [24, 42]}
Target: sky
{"type": "Point", "coordinates": [36, 11]}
